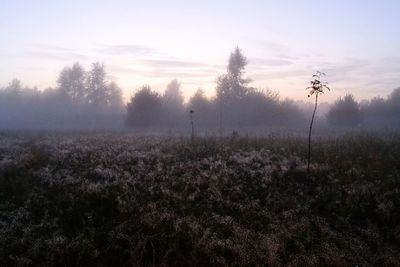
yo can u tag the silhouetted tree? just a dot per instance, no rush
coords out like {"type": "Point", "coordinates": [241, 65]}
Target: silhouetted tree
{"type": "Point", "coordinates": [383, 112]}
{"type": "Point", "coordinates": [394, 107]}
{"type": "Point", "coordinates": [71, 82]}
{"type": "Point", "coordinates": [97, 91]}
{"type": "Point", "coordinates": [66, 106]}
{"type": "Point", "coordinates": [232, 87]}
{"type": "Point", "coordinates": [173, 94]}
{"type": "Point", "coordinates": [317, 87]}
{"type": "Point", "coordinates": [290, 114]}
{"type": "Point", "coordinates": [205, 110]}
{"type": "Point", "coordinates": [173, 106]}
{"type": "Point", "coordinates": [256, 108]}
{"type": "Point", "coordinates": [345, 112]}
{"type": "Point", "coordinates": [115, 96]}
{"type": "Point", "coordinates": [14, 86]}
{"type": "Point", "coordinates": [375, 112]}
{"type": "Point", "coordinates": [198, 101]}
{"type": "Point", "coordinates": [144, 108]}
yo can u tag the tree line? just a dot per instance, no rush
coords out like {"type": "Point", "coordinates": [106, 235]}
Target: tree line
{"type": "Point", "coordinates": [235, 106]}
{"type": "Point", "coordinates": [84, 98]}
{"type": "Point", "coordinates": [379, 112]}
{"type": "Point", "coordinates": [81, 99]}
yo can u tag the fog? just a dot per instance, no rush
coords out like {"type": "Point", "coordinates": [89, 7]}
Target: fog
{"type": "Point", "coordinates": [84, 99]}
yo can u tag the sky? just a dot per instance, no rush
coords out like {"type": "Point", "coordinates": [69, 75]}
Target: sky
{"type": "Point", "coordinates": [356, 43]}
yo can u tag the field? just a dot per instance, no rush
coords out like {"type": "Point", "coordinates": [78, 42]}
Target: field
{"type": "Point", "coordinates": [113, 199]}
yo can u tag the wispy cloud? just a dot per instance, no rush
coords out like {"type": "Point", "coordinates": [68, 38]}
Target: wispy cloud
{"type": "Point", "coordinates": [173, 72]}
{"type": "Point", "coordinates": [371, 77]}
{"type": "Point", "coordinates": [56, 53]}
{"type": "Point", "coordinates": [171, 63]}
{"type": "Point", "coordinates": [169, 68]}
{"type": "Point", "coordinates": [350, 68]}
{"type": "Point", "coordinates": [53, 48]}
{"type": "Point", "coordinates": [279, 74]}
{"type": "Point", "coordinates": [128, 49]}
{"type": "Point", "coordinates": [269, 62]}
{"type": "Point", "coordinates": [183, 74]}
{"type": "Point", "coordinates": [273, 46]}
{"type": "Point", "coordinates": [58, 56]}
{"type": "Point", "coordinates": [148, 62]}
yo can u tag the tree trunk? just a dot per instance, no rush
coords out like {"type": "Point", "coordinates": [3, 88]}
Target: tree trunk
{"type": "Point", "coordinates": [220, 118]}
{"type": "Point", "coordinates": [309, 134]}
{"type": "Point", "coordinates": [191, 122]}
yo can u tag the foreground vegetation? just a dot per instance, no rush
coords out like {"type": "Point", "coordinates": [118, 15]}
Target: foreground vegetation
{"type": "Point", "coordinates": [107, 199]}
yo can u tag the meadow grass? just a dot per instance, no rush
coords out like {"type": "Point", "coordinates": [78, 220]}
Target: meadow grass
{"type": "Point", "coordinates": [101, 199]}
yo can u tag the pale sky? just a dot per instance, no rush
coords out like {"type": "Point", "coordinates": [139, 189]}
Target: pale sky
{"type": "Point", "coordinates": [357, 43]}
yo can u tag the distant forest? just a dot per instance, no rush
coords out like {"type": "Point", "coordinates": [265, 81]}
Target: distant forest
{"type": "Point", "coordinates": [85, 99]}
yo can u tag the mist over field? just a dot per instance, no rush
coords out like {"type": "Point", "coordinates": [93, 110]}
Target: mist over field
{"type": "Point", "coordinates": [85, 99]}
{"type": "Point", "coordinates": [199, 133]}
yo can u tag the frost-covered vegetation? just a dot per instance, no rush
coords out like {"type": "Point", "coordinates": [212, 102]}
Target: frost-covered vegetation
{"type": "Point", "coordinates": [107, 199]}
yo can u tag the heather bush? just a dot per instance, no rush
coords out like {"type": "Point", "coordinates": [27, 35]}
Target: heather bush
{"type": "Point", "coordinates": [105, 199]}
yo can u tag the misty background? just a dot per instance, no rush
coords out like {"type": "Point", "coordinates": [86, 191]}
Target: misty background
{"type": "Point", "coordinates": [153, 42]}
{"type": "Point", "coordinates": [84, 98]}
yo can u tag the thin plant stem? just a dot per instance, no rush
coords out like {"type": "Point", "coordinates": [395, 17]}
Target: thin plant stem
{"type": "Point", "coordinates": [309, 134]}
{"type": "Point", "coordinates": [192, 125]}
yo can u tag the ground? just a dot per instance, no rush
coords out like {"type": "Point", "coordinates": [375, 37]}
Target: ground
{"type": "Point", "coordinates": [113, 199]}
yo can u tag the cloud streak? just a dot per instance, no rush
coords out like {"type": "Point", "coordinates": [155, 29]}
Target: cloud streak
{"type": "Point", "coordinates": [128, 49]}
{"type": "Point", "coordinates": [273, 46]}
{"type": "Point", "coordinates": [56, 53]}
{"type": "Point", "coordinates": [170, 63]}
{"type": "Point", "coordinates": [270, 62]}
{"type": "Point", "coordinates": [279, 74]}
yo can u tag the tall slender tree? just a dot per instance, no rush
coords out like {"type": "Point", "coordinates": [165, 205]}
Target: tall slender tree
{"type": "Point", "coordinates": [317, 87]}
{"type": "Point", "coordinates": [97, 85]}
{"type": "Point", "coordinates": [231, 86]}
{"type": "Point", "coordinates": [173, 106]}
{"type": "Point", "coordinates": [71, 83]}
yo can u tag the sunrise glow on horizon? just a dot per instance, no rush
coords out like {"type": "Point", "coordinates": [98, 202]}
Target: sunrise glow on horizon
{"type": "Point", "coordinates": [354, 42]}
